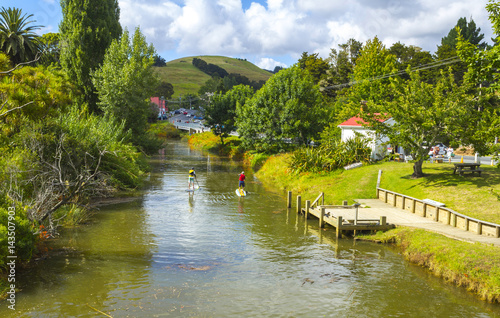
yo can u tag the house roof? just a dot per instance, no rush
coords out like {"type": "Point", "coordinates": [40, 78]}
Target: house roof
{"type": "Point", "coordinates": [358, 121]}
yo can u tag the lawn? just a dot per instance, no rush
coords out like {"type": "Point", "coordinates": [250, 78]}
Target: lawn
{"type": "Point", "coordinates": [477, 197]}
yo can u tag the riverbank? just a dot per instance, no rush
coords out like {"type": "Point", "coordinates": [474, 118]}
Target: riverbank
{"type": "Point", "coordinates": [473, 266]}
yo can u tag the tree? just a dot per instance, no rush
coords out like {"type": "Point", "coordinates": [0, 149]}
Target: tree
{"type": "Point", "coordinates": [483, 75]}
{"type": "Point", "coordinates": [448, 48]}
{"type": "Point", "coordinates": [87, 29]}
{"type": "Point", "coordinates": [159, 61]}
{"type": "Point", "coordinates": [221, 113]}
{"type": "Point", "coordinates": [466, 30]}
{"type": "Point", "coordinates": [315, 65]}
{"type": "Point", "coordinates": [126, 81]}
{"type": "Point", "coordinates": [413, 56]}
{"type": "Point", "coordinates": [164, 89]}
{"type": "Point", "coordinates": [17, 37]}
{"type": "Point", "coordinates": [420, 113]}
{"type": "Point", "coordinates": [371, 76]}
{"type": "Point", "coordinates": [287, 108]}
{"type": "Point", "coordinates": [51, 48]}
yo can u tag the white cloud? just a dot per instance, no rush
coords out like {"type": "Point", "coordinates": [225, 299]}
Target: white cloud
{"type": "Point", "coordinates": [290, 27]}
{"type": "Point", "coordinates": [269, 64]}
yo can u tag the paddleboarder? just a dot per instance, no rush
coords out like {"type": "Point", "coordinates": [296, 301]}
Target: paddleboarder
{"type": "Point", "coordinates": [241, 185]}
{"type": "Point", "coordinates": [192, 176]}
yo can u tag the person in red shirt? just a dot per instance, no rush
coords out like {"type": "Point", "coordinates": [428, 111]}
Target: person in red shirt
{"type": "Point", "coordinates": [242, 181]}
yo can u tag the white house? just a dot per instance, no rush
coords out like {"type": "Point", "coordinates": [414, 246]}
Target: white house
{"type": "Point", "coordinates": [378, 143]}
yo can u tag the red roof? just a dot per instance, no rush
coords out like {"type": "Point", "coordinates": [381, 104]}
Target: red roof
{"type": "Point", "coordinates": [359, 122]}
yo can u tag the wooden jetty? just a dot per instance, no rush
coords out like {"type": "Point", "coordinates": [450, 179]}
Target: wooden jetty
{"type": "Point", "coordinates": [342, 217]}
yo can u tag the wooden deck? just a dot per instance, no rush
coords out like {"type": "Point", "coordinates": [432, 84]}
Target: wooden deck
{"type": "Point", "coordinates": [342, 217]}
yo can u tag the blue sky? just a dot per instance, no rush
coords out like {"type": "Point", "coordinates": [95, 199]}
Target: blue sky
{"type": "Point", "coordinates": [273, 33]}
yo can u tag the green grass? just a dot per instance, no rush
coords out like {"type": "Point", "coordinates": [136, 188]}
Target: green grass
{"type": "Point", "coordinates": [473, 266]}
{"type": "Point", "coordinates": [187, 79]}
{"type": "Point", "coordinates": [475, 196]}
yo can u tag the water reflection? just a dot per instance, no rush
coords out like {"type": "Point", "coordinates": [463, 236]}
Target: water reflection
{"type": "Point", "coordinates": [213, 254]}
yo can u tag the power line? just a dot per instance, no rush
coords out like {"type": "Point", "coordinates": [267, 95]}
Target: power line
{"type": "Point", "coordinates": [446, 61]}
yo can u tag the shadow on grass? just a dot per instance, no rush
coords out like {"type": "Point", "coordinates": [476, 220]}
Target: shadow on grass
{"type": "Point", "coordinates": [443, 177]}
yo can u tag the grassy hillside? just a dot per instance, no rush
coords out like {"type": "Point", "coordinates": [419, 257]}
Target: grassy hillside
{"type": "Point", "coordinates": [186, 78]}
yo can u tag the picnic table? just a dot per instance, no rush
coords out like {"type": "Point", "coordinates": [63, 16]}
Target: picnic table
{"type": "Point", "coordinates": [467, 167]}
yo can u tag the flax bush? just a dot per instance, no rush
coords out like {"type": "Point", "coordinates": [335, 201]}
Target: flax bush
{"type": "Point", "coordinates": [330, 156]}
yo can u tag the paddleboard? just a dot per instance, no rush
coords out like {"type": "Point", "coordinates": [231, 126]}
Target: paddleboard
{"type": "Point", "coordinates": [240, 193]}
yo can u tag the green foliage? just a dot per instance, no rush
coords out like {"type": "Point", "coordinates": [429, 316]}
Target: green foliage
{"type": "Point", "coordinates": [24, 235]}
{"type": "Point", "coordinates": [87, 29]}
{"type": "Point", "coordinates": [421, 113]}
{"type": "Point", "coordinates": [125, 83]}
{"type": "Point", "coordinates": [221, 113]}
{"type": "Point", "coordinates": [330, 156]}
{"type": "Point", "coordinates": [316, 66]}
{"type": "Point", "coordinates": [51, 48]}
{"type": "Point", "coordinates": [17, 37]}
{"type": "Point", "coordinates": [32, 94]}
{"type": "Point", "coordinates": [288, 108]}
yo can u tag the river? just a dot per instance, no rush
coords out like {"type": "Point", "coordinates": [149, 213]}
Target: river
{"type": "Point", "coordinates": [213, 254]}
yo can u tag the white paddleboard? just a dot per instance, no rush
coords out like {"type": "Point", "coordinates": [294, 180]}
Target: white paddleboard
{"type": "Point", "coordinates": [240, 193]}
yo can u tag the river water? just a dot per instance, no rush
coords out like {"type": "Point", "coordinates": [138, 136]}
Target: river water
{"type": "Point", "coordinates": [213, 254]}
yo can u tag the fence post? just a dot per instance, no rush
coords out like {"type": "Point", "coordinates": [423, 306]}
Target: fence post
{"type": "Point", "coordinates": [321, 215]}
{"type": "Point", "coordinates": [299, 204]}
{"type": "Point", "coordinates": [339, 227]}
{"type": "Point", "coordinates": [289, 200]}
{"type": "Point", "coordinates": [308, 206]}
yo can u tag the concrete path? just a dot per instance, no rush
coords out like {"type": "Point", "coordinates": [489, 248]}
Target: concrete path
{"type": "Point", "coordinates": [376, 208]}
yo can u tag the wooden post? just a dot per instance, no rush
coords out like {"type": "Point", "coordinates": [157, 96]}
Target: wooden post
{"type": "Point", "coordinates": [344, 202]}
{"type": "Point", "coordinates": [454, 220]}
{"type": "Point", "coordinates": [356, 206]}
{"type": "Point", "coordinates": [413, 206]}
{"type": "Point", "coordinates": [497, 232]}
{"type": "Point", "coordinates": [479, 228]}
{"type": "Point", "coordinates": [403, 199]}
{"type": "Point", "coordinates": [424, 210]}
{"type": "Point", "coordinates": [394, 199]}
{"type": "Point", "coordinates": [299, 204]}
{"type": "Point", "coordinates": [448, 218]}
{"type": "Point", "coordinates": [436, 217]}
{"type": "Point", "coordinates": [385, 196]}
{"type": "Point", "coordinates": [322, 198]}
{"type": "Point", "coordinates": [378, 181]}
{"type": "Point", "coordinates": [321, 215]}
{"type": "Point", "coordinates": [308, 206]}
{"type": "Point", "coordinates": [383, 220]}
{"type": "Point", "coordinates": [339, 227]}
{"type": "Point", "coordinates": [289, 200]}
{"type": "Point", "coordinates": [467, 224]}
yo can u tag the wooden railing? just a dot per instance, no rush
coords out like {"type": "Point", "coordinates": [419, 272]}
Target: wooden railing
{"type": "Point", "coordinates": [438, 213]}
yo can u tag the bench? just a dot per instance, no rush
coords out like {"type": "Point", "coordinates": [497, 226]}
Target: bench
{"type": "Point", "coordinates": [434, 203]}
{"type": "Point", "coordinates": [471, 171]}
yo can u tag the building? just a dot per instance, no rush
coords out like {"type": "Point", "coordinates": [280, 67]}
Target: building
{"type": "Point", "coordinates": [162, 105]}
{"type": "Point", "coordinates": [379, 144]}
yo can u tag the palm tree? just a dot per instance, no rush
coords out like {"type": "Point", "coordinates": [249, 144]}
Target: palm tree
{"type": "Point", "coordinates": [17, 38]}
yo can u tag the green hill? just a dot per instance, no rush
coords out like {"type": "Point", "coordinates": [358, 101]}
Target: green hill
{"type": "Point", "coordinates": [186, 78]}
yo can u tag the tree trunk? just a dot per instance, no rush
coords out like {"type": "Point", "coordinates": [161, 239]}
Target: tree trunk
{"type": "Point", "coordinates": [417, 169]}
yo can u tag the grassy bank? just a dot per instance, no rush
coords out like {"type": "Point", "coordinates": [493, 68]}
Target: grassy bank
{"type": "Point", "coordinates": [473, 266]}
{"type": "Point", "coordinates": [478, 197]}
{"type": "Point", "coordinates": [209, 142]}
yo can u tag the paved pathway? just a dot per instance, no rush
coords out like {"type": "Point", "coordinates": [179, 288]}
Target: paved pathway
{"type": "Point", "coordinates": [376, 208]}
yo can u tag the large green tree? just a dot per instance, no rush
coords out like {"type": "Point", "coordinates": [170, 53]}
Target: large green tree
{"type": "Point", "coordinates": [221, 113]}
{"type": "Point", "coordinates": [447, 51]}
{"type": "Point", "coordinates": [17, 35]}
{"type": "Point", "coordinates": [420, 113]}
{"type": "Point", "coordinates": [87, 29]}
{"type": "Point", "coordinates": [371, 76]}
{"type": "Point", "coordinates": [288, 108]}
{"type": "Point", "coordinates": [126, 81]}
{"type": "Point", "coordinates": [483, 75]}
